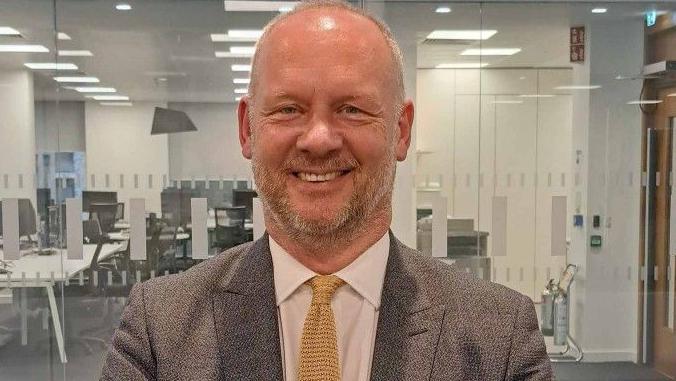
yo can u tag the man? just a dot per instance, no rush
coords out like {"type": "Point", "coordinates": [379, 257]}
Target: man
{"type": "Point", "coordinates": [328, 293]}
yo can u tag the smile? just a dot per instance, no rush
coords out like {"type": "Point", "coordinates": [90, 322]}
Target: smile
{"type": "Point", "coordinates": [314, 178]}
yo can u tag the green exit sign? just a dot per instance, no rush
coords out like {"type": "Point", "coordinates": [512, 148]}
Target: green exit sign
{"type": "Point", "coordinates": [650, 18]}
{"type": "Point", "coordinates": [595, 241]}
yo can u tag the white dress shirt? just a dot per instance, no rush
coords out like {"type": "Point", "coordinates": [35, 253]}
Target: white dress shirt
{"type": "Point", "coordinates": [355, 307]}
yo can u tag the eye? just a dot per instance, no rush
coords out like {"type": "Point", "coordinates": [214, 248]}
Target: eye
{"type": "Point", "coordinates": [350, 110]}
{"type": "Point", "coordinates": [287, 110]}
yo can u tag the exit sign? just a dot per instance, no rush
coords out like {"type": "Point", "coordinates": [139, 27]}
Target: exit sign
{"type": "Point", "coordinates": [650, 18]}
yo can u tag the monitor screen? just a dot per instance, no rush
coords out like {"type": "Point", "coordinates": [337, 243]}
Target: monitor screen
{"type": "Point", "coordinates": [244, 197]}
{"type": "Point", "coordinates": [95, 197]}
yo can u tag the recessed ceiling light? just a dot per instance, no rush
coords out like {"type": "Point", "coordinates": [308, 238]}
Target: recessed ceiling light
{"type": "Point", "coordinates": [462, 65]}
{"type": "Point", "coordinates": [240, 67]}
{"type": "Point", "coordinates": [537, 96]}
{"type": "Point", "coordinates": [115, 103]}
{"type": "Point", "coordinates": [461, 34]}
{"type": "Point", "coordinates": [8, 31]}
{"type": "Point", "coordinates": [50, 66]}
{"type": "Point", "coordinates": [258, 6]}
{"type": "Point", "coordinates": [241, 81]}
{"type": "Point", "coordinates": [95, 89]}
{"type": "Point", "coordinates": [285, 9]}
{"type": "Point", "coordinates": [109, 97]}
{"type": "Point", "coordinates": [23, 49]}
{"type": "Point", "coordinates": [443, 10]}
{"type": "Point", "coordinates": [123, 7]}
{"type": "Point", "coordinates": [75, 53]}
{"type": "Point", "coordinates": [224, 37]}
{"type": "Point", "coordinates": [590, 87]}
{"type": "Point", "coordinates": [490, 52]}
{"type": "Point", "coordinates": [237, 99]}
{"type": "Point", "coordinates": [245, 33]}
{"type": "Point", "coordinates": [599, 10]}
{"type": "Point", "coordinates": [62, 36]}
{"type": "Point", "coordinates": [645, 102]}
{"type": "Point", "coordinates": [220, 54]}
{"type": "Point", "coordinates": [77, 79]}
{"type": "Point", "coordinates": [241, 91]}
{"type": "Point", "coordinates": [243, 49]}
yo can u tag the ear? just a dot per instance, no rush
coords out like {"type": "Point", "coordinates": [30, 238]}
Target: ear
{"type": "Point", "coordinates": [244, 126]}
{"type": "Point", "coordinates": [405, 124]}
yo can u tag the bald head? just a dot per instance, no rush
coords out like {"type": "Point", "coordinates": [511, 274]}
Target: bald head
{"type": "Point", "coordinates": [326, 22]}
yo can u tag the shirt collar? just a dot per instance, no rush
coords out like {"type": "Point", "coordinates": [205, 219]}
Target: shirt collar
{"type": "Point", "coordinates": [365, 274]}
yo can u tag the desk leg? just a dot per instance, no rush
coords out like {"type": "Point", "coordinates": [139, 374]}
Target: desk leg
{"type": "Point", "coordinates": [57, 323]}
{"type": "Point", "coordinates": [24, 317]}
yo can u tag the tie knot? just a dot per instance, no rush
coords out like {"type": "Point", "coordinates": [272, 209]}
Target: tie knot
{"type": "Point", "coordinates": [324, 286]}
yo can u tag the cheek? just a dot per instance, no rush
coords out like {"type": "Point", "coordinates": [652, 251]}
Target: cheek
{"type": "Point", "coordinates": [272, 145]}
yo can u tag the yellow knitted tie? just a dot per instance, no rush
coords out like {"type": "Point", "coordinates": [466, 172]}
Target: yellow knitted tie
{"type": "Point", "coordinates": [319, 344]}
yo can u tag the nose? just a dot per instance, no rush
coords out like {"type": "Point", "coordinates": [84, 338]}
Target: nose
{"type": "Point", "coordinates": [319, 139]}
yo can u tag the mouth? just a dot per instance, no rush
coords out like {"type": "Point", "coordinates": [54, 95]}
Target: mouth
{"type": "Point", "coordinates": [320, 177]}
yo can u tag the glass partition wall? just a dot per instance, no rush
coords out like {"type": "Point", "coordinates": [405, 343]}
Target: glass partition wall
{"type": "Point", "coordinates": [120, 161]}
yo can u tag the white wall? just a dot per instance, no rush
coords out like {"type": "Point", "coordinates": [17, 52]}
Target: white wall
{"type": "Point", "coordinates": [119, 144]}
{"type": "Point", "coordinates": [474, 147]}
{"type": "Point", "coordinates": [60, 126]}
{"type": "Point", "coordinates": [17, 135]}
{"type": "Point", "coordinates": [213, 150]}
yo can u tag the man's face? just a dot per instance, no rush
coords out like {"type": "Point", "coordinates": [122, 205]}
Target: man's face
{"type": "Point", "coordinates": [324, 130]}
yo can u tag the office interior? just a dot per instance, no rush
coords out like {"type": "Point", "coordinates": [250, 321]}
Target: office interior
{"type": "Point", "coordinates": [541, 160]}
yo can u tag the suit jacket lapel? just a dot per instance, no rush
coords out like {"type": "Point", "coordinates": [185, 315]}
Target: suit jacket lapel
{"type": "Point", "coordinates": [409, 324]}
{"type": "Point", "coordinates": [245, 317]}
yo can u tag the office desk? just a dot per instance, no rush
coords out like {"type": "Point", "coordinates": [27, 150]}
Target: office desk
{"type": "Point", "coordinates": [124, 236]}
{"type": "Point", "coordinates": [44, 271]}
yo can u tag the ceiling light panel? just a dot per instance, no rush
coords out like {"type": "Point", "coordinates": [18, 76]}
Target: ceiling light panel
{"type": "Point", "coordinates": [123, 7]}
{"type": "Point", "coordinates": [462, 65]}
{"type": "Point", "coordinates": [95, 89]}
{"type": "Point", "coordinates": [109, 97]}
{"type": "Point", "coordinates": [220, 54]}
{"type": "Point", "coordinates": [50, 66]}
{"type": "Point", "coordinates": [461, 34]}
{"type": "Point", "coordinates": [75, 53]}
{"type": "Point", "coordinates": [23, 49]}
{"type": "Point", "coordinates": [63, 36]}
{"type": "Point", "coordinates": [259, 6]}
{"type": "Point", "coordinates": [240, 67]}
{"type": "Point", "coordinates": [224, 37]}
{"type": "Point", "coordinates": [241, 91]}
{"type": "Point", "coordinates": [243, 49]}
{"type": "Point", "coordinates": [116, 104]}
{"type": "Point", "coordinates": [241, 81]}
{"type": "Point", "coordinates": [76, 79]}
{"type": "Point", "coordinates": [443, 10]}
{"type": "Point", "coordinates": [490, 52]}
{"type": "Point", "coordinates": [245, 33]}
{"type": "Point", "coordinates": [645, 102]}
{"type": "Point", "coordinates": [8, 31]}
{"type": "Point", "coordinates": [599, 10]}
{"type": "Point", "coordinates": [590, 87]}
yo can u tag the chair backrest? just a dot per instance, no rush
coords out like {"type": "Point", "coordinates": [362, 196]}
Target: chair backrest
{"type": "Point", "coordinates": [228, 236]}
{"type": "Point", "coordinates": [91, 231]}
{"type": "Point", "coordinates": [236, 215]}
{"type": "Point", "coordinates": [105, 214]}
{"type": "Point", "coordinates": [220, 216]}
{"type": "Point", "coordinates": [119, 215]}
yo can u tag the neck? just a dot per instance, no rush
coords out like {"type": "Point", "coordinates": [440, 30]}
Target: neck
{"type": "Point", "coordinates": [329, 254]}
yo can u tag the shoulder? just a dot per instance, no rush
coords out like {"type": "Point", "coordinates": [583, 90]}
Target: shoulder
{"type": "Point", "coordinates": [446, 284]}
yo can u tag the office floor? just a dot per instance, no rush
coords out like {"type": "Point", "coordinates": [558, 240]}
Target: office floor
{"type": "Point", "coordinates": [39, 359]}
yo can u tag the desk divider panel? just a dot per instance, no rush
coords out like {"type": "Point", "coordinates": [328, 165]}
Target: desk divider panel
{"type": "Point", "coordinates": [200, 236]}
{"type": "Point", "coordinates": [74, 228]}
{"type": "Point", "coordinates": [10, 228]}
{"type": "Point", "coordinates": [258, 220]}
{"type": "Point", "coordinates": [439, 227]}
{"type": "Point", "coordinates": [137, 229]}
{"type": "Point", "coordinates": [499, 226]}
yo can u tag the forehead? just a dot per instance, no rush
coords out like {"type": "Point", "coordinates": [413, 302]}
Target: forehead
{"type": "Point", "coordinates": [325, 42]}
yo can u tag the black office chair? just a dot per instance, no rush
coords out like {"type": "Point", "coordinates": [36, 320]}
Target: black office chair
{"type": "Point", "coordinates": [226, 237]}
{"type": "Point", "coordinates": [119, 215]}
{"type": "Point", "coordinates": [105, 213]}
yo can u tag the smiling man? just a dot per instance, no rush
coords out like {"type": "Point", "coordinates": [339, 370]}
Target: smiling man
{"type": "Point", "coordinates": [328, 293]}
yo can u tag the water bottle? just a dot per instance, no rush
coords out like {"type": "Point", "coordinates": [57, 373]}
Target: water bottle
{"type": "Point", "coordinates": [547, 308]}
{"type": "Point", "coordinates": [560, 318]}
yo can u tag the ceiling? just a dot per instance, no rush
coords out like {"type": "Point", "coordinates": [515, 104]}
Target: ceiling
{"type": "Point", "coordinates": [161, 49]}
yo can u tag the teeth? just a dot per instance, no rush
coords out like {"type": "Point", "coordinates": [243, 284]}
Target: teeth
{"type": "Point", "coordinates": [317, 178]}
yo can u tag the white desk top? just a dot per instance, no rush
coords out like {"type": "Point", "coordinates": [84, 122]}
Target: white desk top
{"type": "Point", "coordinates": [41, 266]}
{"type": "Point", "coordinates": [124, 236]}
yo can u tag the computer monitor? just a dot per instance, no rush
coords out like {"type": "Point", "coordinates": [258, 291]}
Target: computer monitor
{"type": "Point", "coordinates": [105, 214]}
{"type": "Point", "coordinates": [89, 197]}
{"type": "Point", "coordinates": [27, 223]}
{"type": "Point", "coordinates": [43, 201]}
{"type": "Point", "coordinates": [176, 210]}
{"type": "Point", "coordinates": [244, 197]}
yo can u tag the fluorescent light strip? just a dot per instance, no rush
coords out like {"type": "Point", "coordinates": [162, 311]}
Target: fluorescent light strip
{"type": "Point", "coordinates": [237, 99]}
{"type": "Point", "coordinates": [77, 79]}
{"type": "Point", "coordinates": [220, 54]}
{"type": "Point", "coordinates": [241, 91]}
{"type": "Point", "coordinates": [258, 6]}
{"type": "Point", "coordinates": [63, 36]}
{"type": "Point", "coordinates": [461, 34]}
{"type": "Point", "coordinates": [240, 67]}
{"type": "Point", "coordinates": [672, 95]}
{"type": "Point", "coordinates": [75, 53]}
{"type": "Point", "coordinates": [95, 89]}
{"type": "Point", "coordinates": [241, 81]}
{"type": "Point", "coordinates": [50, 66]}
{"type": "Point", "coordinates": [23, 49]}
{"type": "Point", "coordinates": [443, 10]}
{"type": "Point", "coordinates": [647, 102]}
{"type": "Point", "coordinates": [599, 10]}
{"type": "Point", "coordinates": [591, 87]}
{"type": "Point", "coordinates": [245, 33]}
{"type": "Point", "coordinates": [243, 49]}
{"type": "Point", "coordinates": [123, 7]}
{"type": "Point", "coordinates": [116, 104]}
{"type": "Point", "coordinates": [536, 96]}
{"type": "Point", "coordinates": [223, 37]}
{"type": "Point", "coordinates": [468, 65]}
{"type": "Point", "coordinates": [490, 52]}
{"type": "Point", "coordinates": [8, 31]}
{"type": "Point", "coordinates": [109, 97]}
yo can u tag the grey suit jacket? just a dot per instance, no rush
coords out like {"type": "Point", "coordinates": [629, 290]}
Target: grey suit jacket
{"type": "Point", "coordinates": [218, 321]}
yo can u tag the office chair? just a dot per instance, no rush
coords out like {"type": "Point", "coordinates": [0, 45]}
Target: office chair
{"type": "Point", "coordinates": [230, 216]}
{"type": "Point", "coordinates": [105, 213]}
{"type": "Point", "coordinates": [119, 215]}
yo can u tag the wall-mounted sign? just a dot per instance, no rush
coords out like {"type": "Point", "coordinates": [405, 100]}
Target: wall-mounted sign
{"type": "Point", "coordinates": [577, 38]}
{"type": "Point", "coordinates": [650, 18]}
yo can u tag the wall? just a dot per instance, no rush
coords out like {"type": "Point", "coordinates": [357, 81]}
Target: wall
{"type": "Point", "coordinates": [478, 139]}
{"type": "Point", "coordinates": [60, 126]}
{"type": "Point", "coordinates": [212, 151]}
{"type": "Point", "coordinates": [120, 146]}
{"type": "Point", "coordinates": [17, 135]}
